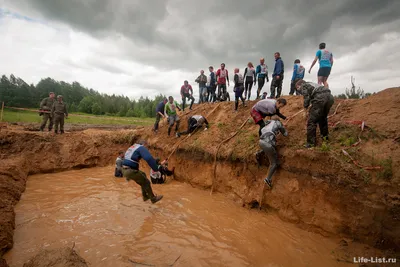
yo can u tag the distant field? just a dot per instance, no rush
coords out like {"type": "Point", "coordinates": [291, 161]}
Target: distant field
{"type": "Point", "coordinates": [27, 116]}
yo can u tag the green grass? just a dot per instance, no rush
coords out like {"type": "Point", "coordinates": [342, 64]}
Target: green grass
{"type": "Point", "coordinates": [73, 118]}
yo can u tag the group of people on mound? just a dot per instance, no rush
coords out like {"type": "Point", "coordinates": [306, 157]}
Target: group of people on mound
{"type": "Point", "coordinates": [317, 103]}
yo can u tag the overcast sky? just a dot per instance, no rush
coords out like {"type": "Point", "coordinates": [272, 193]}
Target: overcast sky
{"type": "Point", "coordinates": [146, 47]}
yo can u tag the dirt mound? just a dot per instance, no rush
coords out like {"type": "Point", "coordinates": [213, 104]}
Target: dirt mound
{"type": "Point", "coordinates": [62, 257]}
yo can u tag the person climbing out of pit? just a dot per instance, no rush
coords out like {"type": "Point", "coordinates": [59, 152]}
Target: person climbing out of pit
{"type": "Point", "coordinates": [267, 107]}
{"type": "Point", "coordinates": [262, 74]}
{"type": "Point", "coordinates": [159, 113]}
{"type": "Point", "coordinates": [250, 78]}
{"type": "Point", "coordinates": [170, 111]}
{"type": "Point", "coordinates": [59, 112]}
{"type": "Point", "coordinates": [238, 89]}
{"type": "Point", "coordinates": [118, 164]}
{"type": "Point", "coordinates": [195, 122]}
{"type": "Point", "coordinates": [187, 92]}
{"type": "Point", "coordinates": [46, 106]}
{"type": "Point", "coordinates": [268, 145]}
{"type": "Point", "coordinates": [321, 101]}
{"type": "Point", "coordinates": [130, 169]}
{"type": "Point", "coordinates": [160, 176]}
{"type": "Point", "coordinates": [298, 74]}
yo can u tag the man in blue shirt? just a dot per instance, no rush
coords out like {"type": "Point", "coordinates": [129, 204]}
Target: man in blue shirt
{"type": "Point", "coordinates": [298, 74]}
{"type": "Point", "coordinates": [277, 76]}
{"type": "Point", "coordinates": [325, 64]}
{"type": "Point", "coordinates": [130, 169]}
{"type": "Point", "coordinates": [159, 113]}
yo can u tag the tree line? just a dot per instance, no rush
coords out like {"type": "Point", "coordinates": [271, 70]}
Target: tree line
{"type": "Point", "coordinates": [15, 92]}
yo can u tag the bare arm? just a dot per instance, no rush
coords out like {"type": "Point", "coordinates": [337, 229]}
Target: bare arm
{"type": "Point", "coordinates": [313, 63]}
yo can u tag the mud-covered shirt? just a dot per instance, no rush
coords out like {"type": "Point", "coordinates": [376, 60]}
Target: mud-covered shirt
{"type": "Point", "coordinates": [271, 130]}
{"type": "Point", "coordinates": [200, 120]}
{"type": "Point", "coordinates": [59, 108]}
{"type": "Point", "coordinates": [47, 103]}
{"type": "Point", "coordinates": [222, 76]}
{"type": "Point", "coordinates": [267, 107]}
{"type": "Point", "coordinates": [185, 90]}
{"type": "Point", "coordinates": [309, 90]}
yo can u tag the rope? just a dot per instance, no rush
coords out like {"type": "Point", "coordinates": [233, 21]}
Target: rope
{"type": "Point", "coordinates": [359, 165]}
{"type": "Point", "coordinates": [216, 153]}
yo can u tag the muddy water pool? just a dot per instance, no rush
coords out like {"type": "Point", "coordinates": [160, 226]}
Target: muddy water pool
{"type": "Point", "coordinates": [110, 225]}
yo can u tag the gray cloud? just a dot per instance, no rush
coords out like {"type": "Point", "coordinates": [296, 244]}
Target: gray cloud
{"type": "Point", "coordinates": [191, 35]}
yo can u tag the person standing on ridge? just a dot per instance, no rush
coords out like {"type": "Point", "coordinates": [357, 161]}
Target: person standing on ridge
{"type": "Point", "coordinates": [202, 80]}
{"type": "Point", "coordinates": [211, 85]}
{"type": "Point", "coordinates": [238, 89]}
{"type": "Point", "coordinates": [46, 105]}
{"type": "Point", "coordinates": [267, 107]}
{"type": "Point", "coordinates": [268, 145]}
{"type": "Point", "coordinates": [170, 111]}
{"type": "Point", "coordinates": [59, 112]}
{"type": "Point", "coordinates": [277, 76]}
{"type": "Point", "coordinates": [298, 74]}
{"type": "Point", "coordinates": [262, 74]}
{"type": "Point", "coordinates": [325, 64]}
{"type": "Point", "coordinates": [130, 169]}
{"type": "Point", "coordinates": [321, 101]}
{"type": "Point", "coordinates": [187, 92]}
{"type": "Point", "coordinates": [250, 78]}
{"type": "Point", "coordinates": [159, 113]}
{"type": "Point", "coordinates": [222, 80]}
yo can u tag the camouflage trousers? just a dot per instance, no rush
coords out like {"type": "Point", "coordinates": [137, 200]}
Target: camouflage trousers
{"type": "Point", "coordinates": [59, 121]}
{"type": "Point", "coordinates": [319, 111]}
{"type": "Point", "coordinates": [46, 117]}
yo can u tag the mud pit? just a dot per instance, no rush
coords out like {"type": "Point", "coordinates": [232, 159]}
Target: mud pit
{"type": "Point", "coordinates": [112, 226]}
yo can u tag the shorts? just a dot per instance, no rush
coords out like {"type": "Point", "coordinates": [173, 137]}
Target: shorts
{"type": "Point", "coordinates": [256, 115]}
{"type": "Point", "coordinates": [172, 119]}
{"type": "Point", "coordinates": [324, 72]}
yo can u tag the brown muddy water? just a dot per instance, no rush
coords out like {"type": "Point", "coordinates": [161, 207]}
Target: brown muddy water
{"type": "Point", "coordinates": [110, 225]}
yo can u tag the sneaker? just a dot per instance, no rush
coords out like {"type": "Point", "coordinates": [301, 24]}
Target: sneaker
{"type": "Point", "coordinates": [268, 182]}
{"type": "Point", "coordinates": [145, 198]}
{"type": "Point", "coordinates": [155, 199]}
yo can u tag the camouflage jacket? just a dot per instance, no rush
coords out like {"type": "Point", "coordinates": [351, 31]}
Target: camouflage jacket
{"type": "Point", "coordinates": [59, 108]}
{"type": "Point", "coordinates": [47, 103]}
{"type": "Point", "coordinates": [309, 90]}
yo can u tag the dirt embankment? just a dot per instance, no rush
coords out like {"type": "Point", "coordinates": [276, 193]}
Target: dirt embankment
{"type": "Point", "coordinates": [23, 153]}
{"type": "Point", "coordinates": [319, 189]}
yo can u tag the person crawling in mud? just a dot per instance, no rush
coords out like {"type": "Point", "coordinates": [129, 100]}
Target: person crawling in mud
{"type": "Point", "coordinates": [160, 176]}
{"type": "Point", "coordinates": [118, 164]}
{"type": "Point", "coordinates": [321, 101]}
{"type": "Point", "coordinates": [267, 107]}
{"type": "Point", "coordinates": [130, 169]}
{"type": "Point", "coordinates": [268, 145]}
{"type": "Point", "coordinates": [195, 122]}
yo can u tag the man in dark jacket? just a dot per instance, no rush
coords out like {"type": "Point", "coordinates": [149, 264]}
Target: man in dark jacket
{"type": "Point", "coordinates": [202, 81]}
{"type": "Point", "coordinates": [130, 169]}
{"type": "Point", "coordinates": [277, 76]}
{"type": "Point", "coordinates": [159, 113]}
{"type": "Point", "coordinates": [59, 112]}
{"type": "Point", "coordinates": [322, 100]}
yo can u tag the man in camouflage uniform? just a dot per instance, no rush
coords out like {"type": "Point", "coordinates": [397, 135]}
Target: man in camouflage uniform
{"type": "Point", "coordinates": [46, 105]}
{"type": "Point", "coordinates": [59, 110]}
{"type": "Point", "coordinates": [322, 100]}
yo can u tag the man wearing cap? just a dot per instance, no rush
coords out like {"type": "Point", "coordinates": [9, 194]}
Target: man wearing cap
{"type": "Point", "coordinates": [59, 110]}
{"type": "Point", "coordinates": [46, 105]}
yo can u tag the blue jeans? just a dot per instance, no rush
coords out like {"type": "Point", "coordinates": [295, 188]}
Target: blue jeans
{"type": "Point", "coordinates": [202, 94]}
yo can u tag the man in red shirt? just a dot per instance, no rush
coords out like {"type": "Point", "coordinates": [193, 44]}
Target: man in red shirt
{"type": "Point", "coordinates": [187, 92]}
{"type": "Point", "coordinates": [222, 78]}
